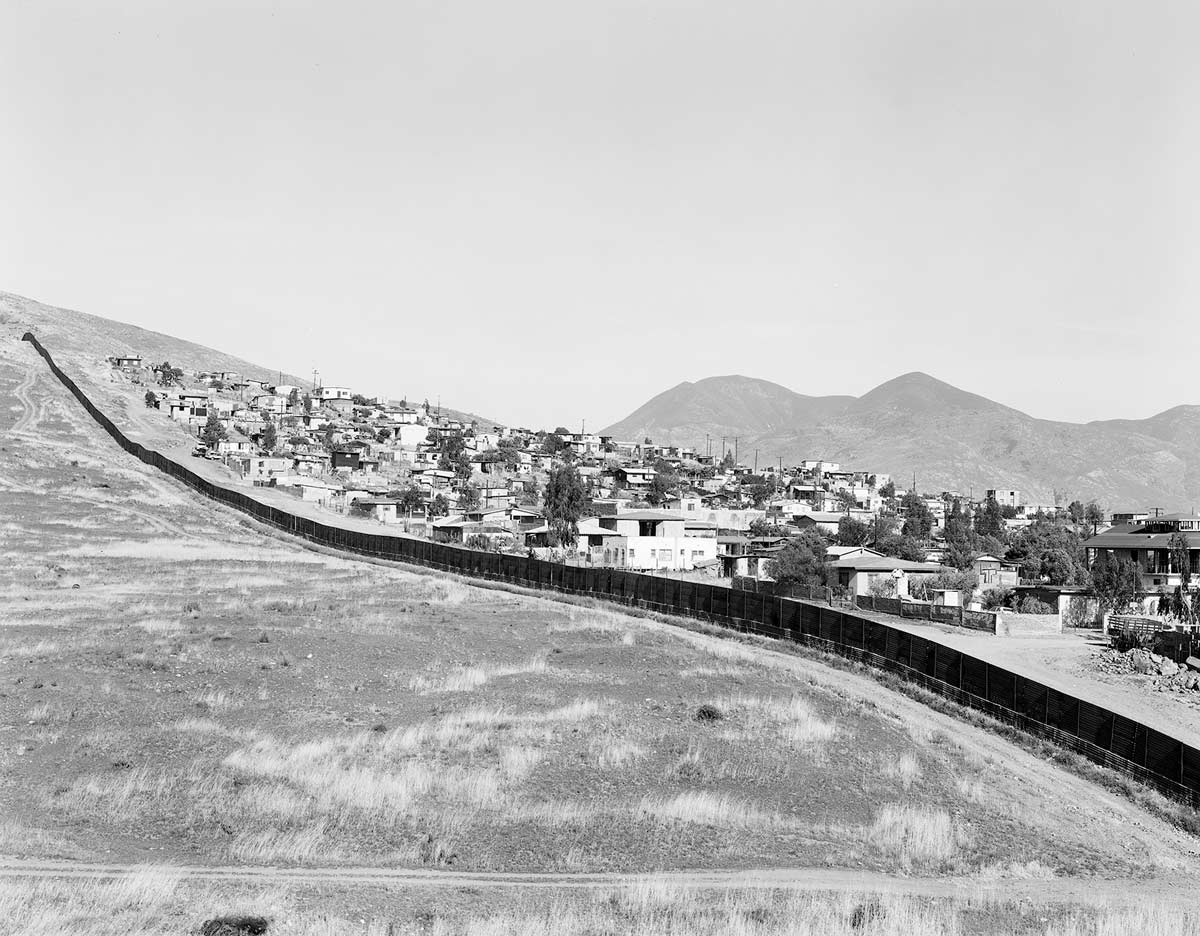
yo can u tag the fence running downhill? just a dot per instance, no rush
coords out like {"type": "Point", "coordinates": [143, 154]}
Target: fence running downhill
{"type": "Point", "coordinates": [1101, 735]}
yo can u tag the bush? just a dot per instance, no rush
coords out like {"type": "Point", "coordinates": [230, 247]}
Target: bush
{"type": "Point", "coordinates": [478, 541]}
{"type": "Point", "coordinates": [709, 713]}
{"type": "Point", "coordinates": [999, 596]}
{"type": "Point", "coordinates": [1031, 605]}
{"type": "Point", "coordinates": [1126, 639]}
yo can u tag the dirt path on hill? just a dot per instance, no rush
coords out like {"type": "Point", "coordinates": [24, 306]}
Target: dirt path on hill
{"type": "Point", "coordinates": [1168, 891]}
{"type": "Point", "coordinates": [29, 410]}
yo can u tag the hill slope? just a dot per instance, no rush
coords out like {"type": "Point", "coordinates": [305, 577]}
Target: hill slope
{"type": "Point", "coordinates": [87, 339]}
{"type": "Point", "coordinates": [951, 439]}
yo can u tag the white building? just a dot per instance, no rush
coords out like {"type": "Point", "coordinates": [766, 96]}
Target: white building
{"type": "Point", "coordinates": [652, 539]}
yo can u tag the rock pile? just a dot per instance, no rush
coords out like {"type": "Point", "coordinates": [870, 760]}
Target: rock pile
{"type": "Point", "coordinates": [1168, 674]}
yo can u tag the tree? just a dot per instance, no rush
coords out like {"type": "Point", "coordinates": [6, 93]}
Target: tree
{"type": "Point", "coordinates": [468, 498]}
{"type": "Point", "coordinates": [1052, 551]}
{"type": "Point", "coordinates": [990, 521]}
{"type": "Point", "coordinates": [727, 462]}
{"type": "Point", "coordinates": [919, 519]}
{"type": "Point", "coordinates": [803, 561]}
{"type": "Point", "coordinates": [410, 500]}
{"type": "Point", "coordinates": [1075, 511]}
{"type": "Point", "coordinates": [1093, 515]}
{"type": "Point", "coordinates": [213, 432]}
{"type": "Point", "coordinates": [169, 376]}
{"type": "Point", "coordinates": [759, 493]}
{"type": "Point", "coordinates": [307, 403]}
{"type": "Point", "coordinates": [152, 399]}
{"type": "Point", "coordinates": [383, 435]}
{"type": "Point", "coordinates": [762, 527]}
{"type": "Point", "coordinates": [662, 488]}
{"type": "Point", "coordinates": [294, 398]}
{"type": "Point", "coordinates": [553, 443]}
{"type": "Point", "coordinates": [1117, 581]}
{"type": "Point", "coordinates": [1182, 604]}
{"type": "Point", "coordinates": [888, 491]}
{"type": "Point", "coordinates": [846, 500]}
{"type": "Point", "coordinates": [440, 506]}
{"type": "Point", "coordinates": [270, 438]}
{"type": "Point", "coordinates": [565, 500]}
{"type": "Point", "coordinates": [852, 532]}
{"type": "Point", "coordinates": [923, 586]}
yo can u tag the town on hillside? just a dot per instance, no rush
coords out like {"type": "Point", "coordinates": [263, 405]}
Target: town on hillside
{"type": "Point", "coordinates": [584, 498]}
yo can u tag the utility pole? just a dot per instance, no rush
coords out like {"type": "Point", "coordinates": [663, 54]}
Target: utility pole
{"type": "Point", "coordinates": [756, 461]}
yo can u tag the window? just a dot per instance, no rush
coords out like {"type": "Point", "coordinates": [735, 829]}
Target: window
{"type": "Point", "coordinates": [631, 552]}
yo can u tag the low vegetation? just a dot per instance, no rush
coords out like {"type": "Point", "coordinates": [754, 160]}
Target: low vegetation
{"type": "Point", "coordinates": [406, 721]}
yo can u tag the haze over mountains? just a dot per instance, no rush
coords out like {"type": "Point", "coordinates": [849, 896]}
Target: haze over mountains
{"type": "Point", "coordinates": [951, 439]}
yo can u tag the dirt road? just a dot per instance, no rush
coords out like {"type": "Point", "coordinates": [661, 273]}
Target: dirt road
{"type": "Point", "coordinates": [1081, 891]}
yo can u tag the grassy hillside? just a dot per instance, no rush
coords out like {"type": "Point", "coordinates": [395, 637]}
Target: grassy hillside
{"type": "Point", "coordinates": [182, 690]}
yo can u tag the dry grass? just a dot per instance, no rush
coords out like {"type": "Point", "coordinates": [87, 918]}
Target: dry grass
{"type": "Point", "coordinates": [613, 753]}
{"type": "Point", "coordinates": [905, 768]}
{"type": "Point", "coordinates": [712, 809]}
{"type": "Point", "coordinates": [466, 679]}
{"type": "Point", "coordinates": [916, 836]}
{"type": "Point", "coordinates": [791, 719]}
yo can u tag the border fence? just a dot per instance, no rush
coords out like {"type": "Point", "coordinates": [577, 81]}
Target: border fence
{"type": "Point", "coordinates": [1095, 732]}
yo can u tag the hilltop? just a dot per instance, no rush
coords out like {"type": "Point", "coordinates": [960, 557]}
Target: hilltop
{"type": "Point", "coordinates": [949, 438]}
{"type": "Point", "coordinates": [87, 339]}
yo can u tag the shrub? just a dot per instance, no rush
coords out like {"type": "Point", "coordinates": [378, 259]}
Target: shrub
{"type": "Point", "coordinates": [1031, 605]}
{"type": "Point", "coordinates": [709, 713]}
{"type": "Point", "coordinates": [999, 596]}
{"type": "Point", "coordinates": [1126, 639]}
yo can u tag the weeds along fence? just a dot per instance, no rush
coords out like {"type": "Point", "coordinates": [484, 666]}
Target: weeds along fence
{"type": "Point", "coordinates": [1099, 734]}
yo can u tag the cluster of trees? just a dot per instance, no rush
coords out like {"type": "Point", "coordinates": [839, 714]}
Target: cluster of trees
{"type": "Point", "coordinates": [213, 432]}
{"type": "Point", "coordinates": [802, 561]}
{"type": "Point", "coordinates": [565, 501]}
{"type": "Point", "coordinates": [169, 376]}
{"type": "Point", "coordinates": [452, 455]}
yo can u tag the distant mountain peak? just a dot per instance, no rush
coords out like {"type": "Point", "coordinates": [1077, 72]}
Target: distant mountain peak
{"type": "Point", "coordinates": [951, 438]}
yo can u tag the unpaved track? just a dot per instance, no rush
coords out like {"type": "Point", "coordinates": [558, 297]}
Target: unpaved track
{"type": "Point", "coordinates": [29, 410]}
{"type": "Point", "coordinates": [1085, 891]}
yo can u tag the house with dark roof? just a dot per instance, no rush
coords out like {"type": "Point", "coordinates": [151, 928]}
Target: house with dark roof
{"type": "Point", "coordinates": [1148, 544]}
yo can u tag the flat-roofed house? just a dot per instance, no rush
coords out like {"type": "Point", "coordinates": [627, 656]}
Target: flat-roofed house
{"type": "Point", "coordinates": [1148, 544]}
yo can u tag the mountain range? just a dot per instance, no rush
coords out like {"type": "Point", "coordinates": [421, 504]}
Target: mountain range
{"type": "Point", "coordinates": [948, 438]}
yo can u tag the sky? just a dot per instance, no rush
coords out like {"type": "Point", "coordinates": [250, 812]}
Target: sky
{"type": "Point", "coordinates": [547, 212]}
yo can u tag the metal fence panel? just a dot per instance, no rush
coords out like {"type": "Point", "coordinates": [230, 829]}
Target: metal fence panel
{"type": "Point", "coordinates": [974, 677]}
{"type": "Point", "coordinates": [1164, 755]}
{"type": "Point", "coordinates": [1062, 711]}
{"type": "Point", "coordinates": [753, 609]}
{"type": "Point", "coordinates": [853, 631]}
{"type": "Point", "coordinates": [1002, 687]}
{"type": "Point", "coordinates": [947, 663]}
{"type": "Point", "coordinates": [1095, 724]}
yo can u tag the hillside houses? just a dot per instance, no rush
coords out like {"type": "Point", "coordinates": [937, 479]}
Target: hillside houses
{"type": "Point", "coordinates": [651, 507]}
